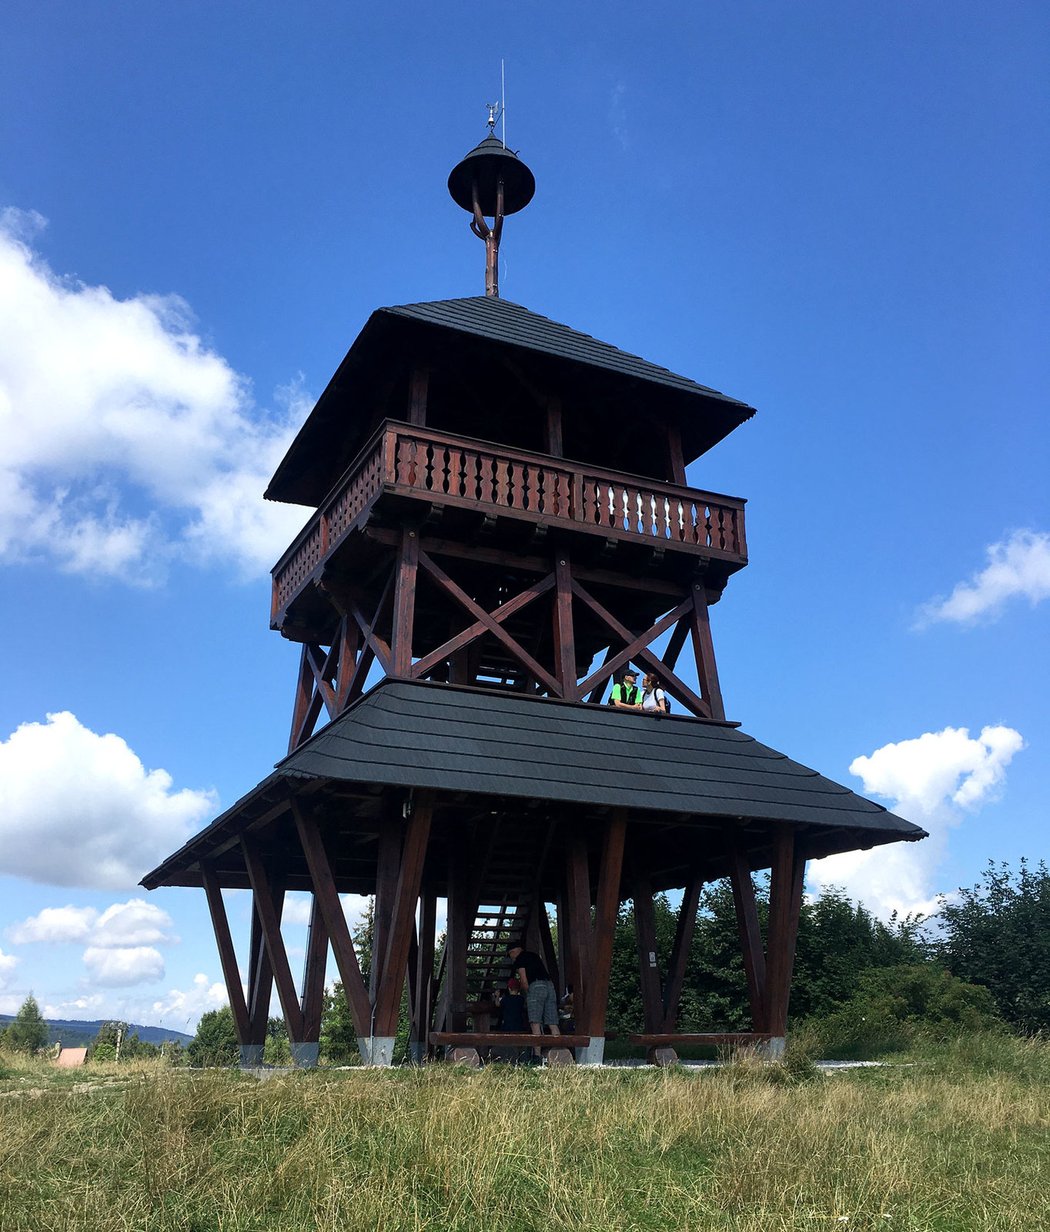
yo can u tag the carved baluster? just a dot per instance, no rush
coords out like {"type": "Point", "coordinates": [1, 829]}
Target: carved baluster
{"type": "Point", "coordinates": [501, 486]}
{"type": "Point", "coordinates": [517, 500]}
{"type": "Point", "coordinates": [485, 481]}
{"type": "Point", "coordinates": [406, 452]}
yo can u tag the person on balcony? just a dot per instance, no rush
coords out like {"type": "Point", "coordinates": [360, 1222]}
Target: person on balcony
{"type": "Point", "coordinates": [654, 700]}
{"type": "Point", "coordinates": [626, 695]}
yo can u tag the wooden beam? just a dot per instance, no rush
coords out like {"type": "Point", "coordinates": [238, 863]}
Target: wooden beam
{"type": "Point", "coordinates": [313, 975]}
{"type": "Point", "coordinates": [490, 624]}
{"type": "Point", "coordinates": [260, 984]}
{"type": "Point", "coordinates": [327, 899]}
{"type": "Point", "coordinates": [675, 456]}
{"type": "Point", "coordinates": [410, 874]}
{"type": "Point", "coordinates": [785, 905]}
{"type": "Point", "coordinates": [683, 940]}
{"type": "Point", "coordinates": [506, 1039]}
{"type": "Point", "coordinates": [606, 909]}
{"type": "Point", "coordinates": [267, 908]}
{"type": "Point", "coordinates": [554, 428]}
{"type": "Point", "coordinates": [750, 937]}
{"type": "Point", "coordinates": [654, 1040]}
{"type": "Point", "coordinates": [578, 902]}
{"type": "Point", "coordinates": [460, 640]}
{"type": "Point", "coordinates": [648, 959]}
{"type": "Point", "coordinates": [404, 604]}
{"type": "Point", "coordinates": [227, 956]}
{"type": "Point", "coordinates": [388, 861]}
{"type": "Point", "coordinates": [704, 649]}
{"type": "Point", "coordinates": [424, 966]}
{"type": "Point", "coordinates": [564, 637]}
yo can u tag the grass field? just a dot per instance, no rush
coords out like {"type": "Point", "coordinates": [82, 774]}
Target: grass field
{"type": "Point", "coordinates": [949, 1138]}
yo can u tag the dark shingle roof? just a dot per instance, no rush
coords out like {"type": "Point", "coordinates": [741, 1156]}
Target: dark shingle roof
{"type": "Point", "coordinates": [426, 735]}
{"type": "Point", "coordinates": [500, 320]}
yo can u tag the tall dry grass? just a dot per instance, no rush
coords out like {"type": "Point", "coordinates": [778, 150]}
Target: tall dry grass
{"type": "Point", "coordinates": [952, 1140]}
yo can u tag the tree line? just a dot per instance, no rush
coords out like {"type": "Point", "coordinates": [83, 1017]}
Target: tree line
{"type": "Point", "coordinates": [861, 985]}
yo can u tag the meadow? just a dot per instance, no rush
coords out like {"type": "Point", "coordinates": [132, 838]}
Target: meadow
{"type": "Point", "coordinates": [946, 1138]}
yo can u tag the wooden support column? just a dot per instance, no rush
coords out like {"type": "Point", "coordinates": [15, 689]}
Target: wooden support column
{"type": "Point", "coordinates": [547, 950]}
{"type": "Point", "coordinates": [675, 456]}
{"type": "Point", "coordinates": [313, 988]}
{"type": "Point", "coordinates": [554, 428]}
{"type": "Point", "coordinates": [388, 862]}
{"type": "Point", "coordinates": [785, 905]}
{"type": "Point", "coordinates": [648, 961]}
{"type": "Point", "coordinates": [227, 956]}
{"type": "Point", "coordinates": [327, 899]}
{"type": "Point", "coordinates": [606, 909]}
{"type": "Point", "coordinates": [750, 938]}
{"type": "Point", "coordinates": [260, 986]}
{"type": "Point", "coordinates": [683, 940]}
{"type": "Point", "coordinates": [421, 1009]}
{"type": "Point", "coordinates": [460, 912]}
{"type": "Point", "coordinates": [404, 605]}
{"type": "Point", "coordinates": [704, 649]}
{"type": "Point", "coordinates": [578, 902]}
{"type": "Point", "coordinates": [410, 875]}
{"type": "Point", "coordinates": [267, 901]}
{"type": "Point", "coordinates": [564, 637]}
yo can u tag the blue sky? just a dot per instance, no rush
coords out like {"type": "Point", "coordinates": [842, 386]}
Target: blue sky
{"type": "Point", "coordinates": [833, 212]}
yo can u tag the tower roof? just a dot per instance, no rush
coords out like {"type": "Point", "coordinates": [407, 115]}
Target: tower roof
{"type": "Point", "coordinates": [585, 371]}
{"type": "Point", "coordinates": [685, 780]}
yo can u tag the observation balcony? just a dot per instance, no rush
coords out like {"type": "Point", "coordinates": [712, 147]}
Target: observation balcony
{"type": "Point", "coordinates": [406, 473]}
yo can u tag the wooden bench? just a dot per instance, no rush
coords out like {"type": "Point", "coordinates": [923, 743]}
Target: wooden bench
{"type": "Point", "coordinates": [506, 1039]}
{"type": "Point", "coordinates": [714, 1038]}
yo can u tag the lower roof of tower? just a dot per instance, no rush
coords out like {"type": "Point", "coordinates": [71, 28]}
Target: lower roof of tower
{"type": "Point", "coordinates": [589, 375]}
{"type": "Point", "coordinates": [483, 749]}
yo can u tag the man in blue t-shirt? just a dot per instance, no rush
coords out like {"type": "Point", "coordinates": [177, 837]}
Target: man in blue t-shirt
{"type": "Point", "coordinates": [540, 997]}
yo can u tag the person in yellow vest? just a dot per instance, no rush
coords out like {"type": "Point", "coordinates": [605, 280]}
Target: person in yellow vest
{"type": "Point", "coordinates": [627, 695]}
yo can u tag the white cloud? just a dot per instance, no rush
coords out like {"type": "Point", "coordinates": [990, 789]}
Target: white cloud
{"type": "Point", "coordinates": [55, 925]}
{"type": "Point", "coordinates": [118, 967]}
{"type": "Point", "coordinates": [134, 923]}
{"type": "Point", "coordinates": [77, 808]}
{"type": "Point", "coordinates": [931, 780]}
{"type": "Point", "coordinates": [185, 1006]}
{"type": "Point", "coordinates": [86, 1007]}
{"type": "Point", "coordinates": [8, 962]}
{"type": "Point", "coordinates": [297, 908]}
{"type": "Point", "coordinates": [128, 442]}
{"type": "Point", "coordinates": [1018, 567]}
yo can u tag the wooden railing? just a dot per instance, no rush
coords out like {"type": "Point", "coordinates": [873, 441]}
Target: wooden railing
{"type": "Point", "coordinates": [473, 474]}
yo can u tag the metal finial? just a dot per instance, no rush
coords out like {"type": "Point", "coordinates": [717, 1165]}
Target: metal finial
{"type": "Point", "coordinates": [493, 115]}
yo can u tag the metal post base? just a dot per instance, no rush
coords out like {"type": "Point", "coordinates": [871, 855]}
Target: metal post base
{"type": "Point", "coordinates": [594, 1053]}
{"type": "Point", "coordinates": [379, 1050]}
{"type": "Point", "coordinates": [251, 1056]}
{"type": "Point", "coordinates": [304, 1056]}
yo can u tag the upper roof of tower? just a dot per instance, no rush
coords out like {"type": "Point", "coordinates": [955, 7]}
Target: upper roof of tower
{"type": "Point", "coordinates": [495, 346]}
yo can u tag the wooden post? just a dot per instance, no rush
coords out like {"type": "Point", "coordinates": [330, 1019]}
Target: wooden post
{"type": "Point", "coordinates": [388, 861]}
{"type": "Point", "coordinates": [564, 638]}
{"type": "Point", "coordinates": [424, 974]}
{"type": "Point", "coordinates": [648, 961]}
{"type": "Point", "coordinates": [605, 912]}
{"type": "Point", "coordinates": [457, 936]}
{"type": "Point", "coordinates": [260, 986]}
{"type": "Point", "coordinates": [578, 901]}
{"type": "Point", "coordinates": [304, 1051]}
{"type": "Point", "coordinates": [327, 899]}
{"type": "Point", "coordinates": [750, 938]}
{"type": "Point", "coordinates": [267, 901]}
{"type": "Point", "coordinates": [404, 605]}
{"type": "Point", "coordinates": [683, 940]}
{"type": "Point", "coordinates": [417, 395]}
{"type": "Point", "coordinates": [410, 874]}
{"type": "Point", "coordinates": [554, 433]}
{"type": "Point", "coordinates": [704, 649]}
{"type": "Point", "coordinates": [227, 956]}
{"type": "Point", "coordinates": [785, 905]}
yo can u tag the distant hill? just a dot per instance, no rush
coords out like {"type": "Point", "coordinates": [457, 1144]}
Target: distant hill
{"type": "Point", "coordinates": [77, 1033]}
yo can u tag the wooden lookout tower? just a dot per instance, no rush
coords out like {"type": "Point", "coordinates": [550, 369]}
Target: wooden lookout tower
{"type": "Point", "coordinates": [502, 524]}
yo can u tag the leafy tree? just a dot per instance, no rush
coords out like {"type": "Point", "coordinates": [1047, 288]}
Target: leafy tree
{"type": "Point", "coordinates": [115, 1041]}
{"type": "Point", "coordinates": [277, 1049]}
{"type": "Point", "coordinates": [893, 1006]}
{"type": "Point", "coordinates": [997, 934]}
{"type": "Point", "coordinates": [216, 1040]}
{"type": "Point", "coordinates": [338, 1038]}
{"type": "Point", "coordinates": [28, 1031]}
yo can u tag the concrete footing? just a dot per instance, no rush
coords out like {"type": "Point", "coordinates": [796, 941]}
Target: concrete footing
{"type": "Point", "coordinates": [594, 1053]}
{"type": "Point", "coordinates": [251, 1056]}
{"type": "Point", "coordinates": [664, 1056]}
{"type": "Point", "coordinates": [376, 1050]}
{"type": "Point", "coordinates": [773, 1049]}
{"type": "Point", "coordinates": [560, 1056]}
{"type": "Point", "coordinates": [465, 1056]}
{"type": "Point", "coordinates": [304, 1056]}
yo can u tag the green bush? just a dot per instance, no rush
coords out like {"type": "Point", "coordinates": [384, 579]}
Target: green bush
{"type": "Point", "coordinates": [896, 1007]}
